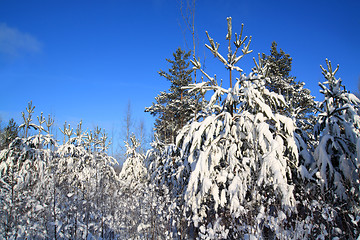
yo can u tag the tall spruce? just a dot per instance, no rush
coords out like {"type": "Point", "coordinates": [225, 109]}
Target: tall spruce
{"type": "Point", "coordinates": [175, 107]}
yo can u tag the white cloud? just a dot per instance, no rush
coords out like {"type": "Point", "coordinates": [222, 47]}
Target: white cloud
{"type": "Point", "coordinates": [14, 43]}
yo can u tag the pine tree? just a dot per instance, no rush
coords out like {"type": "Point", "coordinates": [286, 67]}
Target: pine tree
{"type": "Point", "coordinates": [175, 107]}
{"type": "Point", "coordinates": [338, 127]}
{"type": "Point", "coordinates": [165, 185]}
{"type": "Point", "coordinates": [279, 63]}
{"type": "Point", "coordinates": [23, 188]}
{"type": "Point", "coordinates": [8, 134]}
{"type": "Point", "coordinates": [133, 171]}
{"type": "Point", "coordinates": [234, 169]}
{"type": "Point", "coordinates": [299, 101]}
{"type": "Point", "coordinates": [300, 104]}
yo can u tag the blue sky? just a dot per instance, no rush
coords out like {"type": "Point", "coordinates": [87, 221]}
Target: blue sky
{"type": "Point", "coordinates": [86, 59]}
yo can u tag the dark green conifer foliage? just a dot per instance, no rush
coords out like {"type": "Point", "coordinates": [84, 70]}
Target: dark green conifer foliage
{"type": "Point", "coordinates": [280, 62]}
{"type": "Point", "coordinates": [175, 107]}
{"type": "Point", "coordinates": [300, 102]}
{"type": "Point", "coordinates": [8, 134]}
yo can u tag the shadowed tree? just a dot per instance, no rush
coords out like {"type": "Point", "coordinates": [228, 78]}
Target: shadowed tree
{"type": "Point", "coordinates": [8, 134]}
{"type": "Point", "coordinates": [175, 107]}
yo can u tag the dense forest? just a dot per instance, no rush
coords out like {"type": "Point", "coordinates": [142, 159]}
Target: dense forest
{"type": "Point", "coordinates": [258, 160]}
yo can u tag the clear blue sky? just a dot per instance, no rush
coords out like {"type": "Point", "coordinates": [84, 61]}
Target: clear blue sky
{"type": "Point", "coordinates": [87, 59]}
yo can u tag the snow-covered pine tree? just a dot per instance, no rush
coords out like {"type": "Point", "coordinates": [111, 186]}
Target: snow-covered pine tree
{"type": "Point", "coordinates": [235, 169]}
{"type": "Point", "coordinates": [107, 185]}
{"type": "Point", "coordinates": [329, 206]}
{"type": "Point", "coordinates": [175, 107]}
{"type": "Point", "coordinates": [134, 210]}
{"type": "Point", "coordinates": [133, 171]}
{"type": "Point", "coordinates": [24, 186]}
{"type": "Point", "coordinates": [337, 154]}
{"type": "Point", "coordinates": [167, 189]}
{"type": "Point", "coordinates": [300, 104]}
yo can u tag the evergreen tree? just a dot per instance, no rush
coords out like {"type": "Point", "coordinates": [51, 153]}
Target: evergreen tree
{"type": "Point", "coordinates": [279, 63]}
{"type": "Point", "coordinates": [298, 98]}
{"type": "Point", "coordinates": [234, 170]}
{"type": "Point", "coordinates": [338, 127]}
{"type": "Point", "coordinates": [133, 171]}
{"type": "Point", "coordinates": [23, 188]}
{"type": "Point", "coordinates": [300, 104]}
{"type": "Point", "coordinates": [175, 107]}
{"type": "Point", "coordinates": [8, 134]}
{"type": "Point", "coordinates": [161, 163]}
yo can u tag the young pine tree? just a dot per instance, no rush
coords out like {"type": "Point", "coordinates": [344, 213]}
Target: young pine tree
{"type": "Point", "coordinates": [337, 154]}
{"type": "Point", "coordinates": [133, 171]}
{"type": "Point", "coordinates": [234, 169]}
{"type": "Point", "coordinates": [175, 107]}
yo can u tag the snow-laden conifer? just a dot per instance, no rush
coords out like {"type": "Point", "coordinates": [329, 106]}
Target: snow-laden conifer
{"type": "Point", "coordinates": [234, 168]}
{"type": "Point", "coordinates": [338, 129]}
{"type": "Point", "coordinates": [23, 176]}
{"type": "Point", "coordinates": [86, 183]}
{"type": "Point", "coordinates": [134, 207]}
{"type": "Point", "coordinates": [145, 209]}
{"type": "Point", "coordinates": [300, 104]}
{"type": "Point", "coordinates": [133, 170]}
